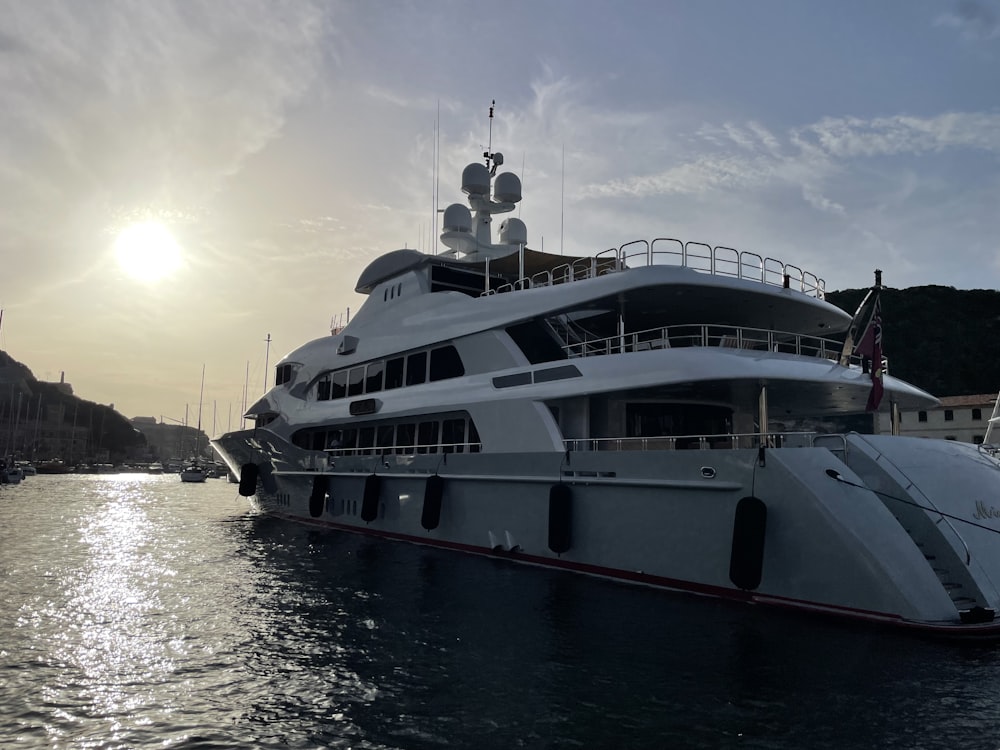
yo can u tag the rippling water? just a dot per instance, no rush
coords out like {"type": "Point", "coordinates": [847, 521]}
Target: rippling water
{"type": "Point", "coordinates": [138, 611]}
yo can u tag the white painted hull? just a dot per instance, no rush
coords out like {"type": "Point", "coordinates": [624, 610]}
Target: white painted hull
{"type": "Point", "coordinates": [666, 519]}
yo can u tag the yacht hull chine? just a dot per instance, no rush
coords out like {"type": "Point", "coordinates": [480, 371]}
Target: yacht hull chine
{"type": "Point", "coordinates": [790, 527]}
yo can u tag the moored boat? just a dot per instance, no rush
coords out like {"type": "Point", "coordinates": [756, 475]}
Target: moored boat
{"type": "Point", "coordinates": [671, 413]}
{"type": "Point", "coordinates": [194, 472]}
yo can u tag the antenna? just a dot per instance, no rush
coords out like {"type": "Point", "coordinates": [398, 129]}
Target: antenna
{"type": "Point", "coordinates": [562, 200]}
{"type": "Point", "coordinates": [489, 145]}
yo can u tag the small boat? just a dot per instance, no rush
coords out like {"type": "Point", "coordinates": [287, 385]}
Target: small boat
{"type": "Point", "coordinates": [675, 414]}
{"type": "Point", "coordinates": [53, 466]}
{"type": "Point", "coordinates": [10, 473]}
{"type": "Point", "coordinates": [194, 472]}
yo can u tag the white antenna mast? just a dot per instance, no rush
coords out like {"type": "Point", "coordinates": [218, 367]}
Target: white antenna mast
{"type": "Point", "coordinates": [562, 200]}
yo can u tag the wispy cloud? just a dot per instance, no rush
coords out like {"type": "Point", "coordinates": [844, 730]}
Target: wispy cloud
{"type": "Point", "coordinates": [974, 20]}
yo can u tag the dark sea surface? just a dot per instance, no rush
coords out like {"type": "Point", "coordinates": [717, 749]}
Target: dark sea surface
{"type": "Point", "coordinates": [138, 612]}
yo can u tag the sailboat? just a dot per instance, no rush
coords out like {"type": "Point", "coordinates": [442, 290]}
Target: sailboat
{"type": "Point", "coordinates": [196, 470]}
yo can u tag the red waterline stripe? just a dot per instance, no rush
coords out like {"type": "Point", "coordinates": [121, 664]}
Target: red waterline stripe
{"type": "Point", "coordinates": [721, 592]}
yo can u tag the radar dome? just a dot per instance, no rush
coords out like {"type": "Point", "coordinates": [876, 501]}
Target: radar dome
{"type": "Point", "coordinates": [513, 232]}
{"type": "Point", "coordinates": [476, 179]}
{"type": "Point", "coordinates": [507, 188]}
{"type": "Point", "coordinates": [457, 218]}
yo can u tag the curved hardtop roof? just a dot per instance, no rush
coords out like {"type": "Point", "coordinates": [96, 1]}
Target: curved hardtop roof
{"type": "Point", "coordinates": [397, 262]}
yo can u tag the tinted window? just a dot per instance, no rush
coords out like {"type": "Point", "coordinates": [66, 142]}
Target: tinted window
{"type": "Point", "coordinates": [323, 388]}
{"type": "Point", "coordinates": [373, 378]}
{"type": "Point", "coordinates": [349, 438]}
{"type": "Point", "coordinates": [356, 381]}
{"type": "Point", "coordinates": [405, 434]}
{"type": "Point", "coordinates": [427, 437]}
{"type": "Point", "coordinates": [366, 438]}
{"type": "Point", "coordinates": [453, 435]}
{"type": "Point", "coordinates": [339, 389]}
{"type": "Point", "coordinates": [384, 437]}
{"type": "Point", "coordinates": [474, 446]}
{"type": "Point", "coordinates": [445, 363]}
{"type": "Point", "coordinates": [416, 368]}
{"type": "Point", "coordinates": [394, 373]}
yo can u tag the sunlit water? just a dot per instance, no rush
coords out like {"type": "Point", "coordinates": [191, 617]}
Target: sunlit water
{"type": "Point", "coordinates": [138, 611]}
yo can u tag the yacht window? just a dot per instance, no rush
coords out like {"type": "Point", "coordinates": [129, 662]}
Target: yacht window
{"type": "Point", "coordinates": [536, 341]}
{"type": "Point", "coordinates": [356, 381]}
{"type": "Point", "coordinates": [453, 435]}
{"type": "Point", "coordinates": [405, 434]}
{"type": "Point", "coordinates": [474, 445]}
{"type": "Point", "coordinates": [445, 363]}
{"type": "Point", "coordinates": [416, 368]}
{"type": "Point", "coordinates": [283, 374]}
{"type": "Point", "coordinates": [339, 387]}
{"type": "Point", "coordinates": [384, 437]}
{"type": "Point", "coordinates": [373, 378]}
{"type": "Point", "coordinates": [323, 388]}
{"type": "Point", "coordinates": [366, 439]}
{"type": "Point", "coordinates": [318, 440]}
{"type": "Point", "coordinates": [427, 437]}
{"type": "Point", "coordinates": [349, 438]}
{"type": "Point", "coordinates": [394, 373]}
{"type": "Point", "coordinates": [334, 440]}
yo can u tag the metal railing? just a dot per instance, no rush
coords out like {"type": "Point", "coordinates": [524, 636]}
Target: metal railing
{"type": "Point", "coordinates": [734, 337]}
{"type": "Point", "coordinates": [698, 256]}
{"type": "Point", "coordinates": [693, 442]}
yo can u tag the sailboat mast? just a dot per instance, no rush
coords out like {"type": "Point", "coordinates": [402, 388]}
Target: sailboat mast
{"type": "Point", "coordinates": [201, 396]}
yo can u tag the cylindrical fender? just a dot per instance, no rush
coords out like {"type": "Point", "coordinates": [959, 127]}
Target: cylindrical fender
{"type": "Point", "coordinates": [560, 518]}
{"type": "Point", "coordinates": [746, 561]}
{"type": "Point", "coordinates": [369, 505]}
{"type": "Point", "coordinates": [317, 498]}
{"type": "Point", "coordinates": [430, 517]}
{"type": "Point", "coordinates": [248, 479]}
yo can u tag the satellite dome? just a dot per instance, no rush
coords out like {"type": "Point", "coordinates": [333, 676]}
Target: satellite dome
{"type": "Point", "coordinates": [457, 218]}
{"type": "Point", "coordinates": [513, 232]}
{"type": "Point", "coordinates": [476, 179]}
{"type": "Point", "coordinates": [507, 188]}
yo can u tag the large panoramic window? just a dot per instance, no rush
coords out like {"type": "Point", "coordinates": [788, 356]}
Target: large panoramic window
{"type": "Point", "coordinates": [440, 363]}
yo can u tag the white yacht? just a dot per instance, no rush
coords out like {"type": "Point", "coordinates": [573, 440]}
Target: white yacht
{"type": "Point", "coordinates": [667, 413]}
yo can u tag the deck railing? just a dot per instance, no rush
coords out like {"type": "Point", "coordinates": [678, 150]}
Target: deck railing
{"type": "Point", "coordinates": [693, 442]}
{"type": "Point", "coordinates": [698, 256]}
{"type": "Point", "coordinates": [732, 337]}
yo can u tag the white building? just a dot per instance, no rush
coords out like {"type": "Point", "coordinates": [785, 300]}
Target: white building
{"type": "Point", "coordinates": [962, 418]}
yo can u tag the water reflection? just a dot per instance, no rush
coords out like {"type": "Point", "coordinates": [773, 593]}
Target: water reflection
{"type": "Point", "coordinates": [156, 613]}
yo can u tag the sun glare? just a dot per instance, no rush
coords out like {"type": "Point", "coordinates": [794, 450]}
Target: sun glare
{"type": "Point", "coordinates": [147, 251]}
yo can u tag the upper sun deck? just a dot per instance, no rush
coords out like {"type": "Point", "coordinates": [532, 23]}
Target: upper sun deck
{"type": "Point", "coordinates": [533, 271]}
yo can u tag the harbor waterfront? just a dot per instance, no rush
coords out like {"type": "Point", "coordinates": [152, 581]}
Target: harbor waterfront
{"type": "Point", "coordinates": [140, 611]}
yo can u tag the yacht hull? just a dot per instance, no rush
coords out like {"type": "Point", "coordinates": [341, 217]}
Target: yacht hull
{"type": "Point", "coordinates": [790, 527]}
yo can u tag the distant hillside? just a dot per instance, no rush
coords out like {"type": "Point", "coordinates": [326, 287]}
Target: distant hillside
{"type": "Point", "coordinates": [21, 395]}
{"type": "Point", "coordinates": [944, 340]}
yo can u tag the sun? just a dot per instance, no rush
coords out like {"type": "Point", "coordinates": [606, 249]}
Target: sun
{"type": "Point", "coordinates": [147, 251]}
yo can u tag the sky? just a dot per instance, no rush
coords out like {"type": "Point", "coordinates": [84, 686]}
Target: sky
{"type": "Point", "coordinates": [273, 149]}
